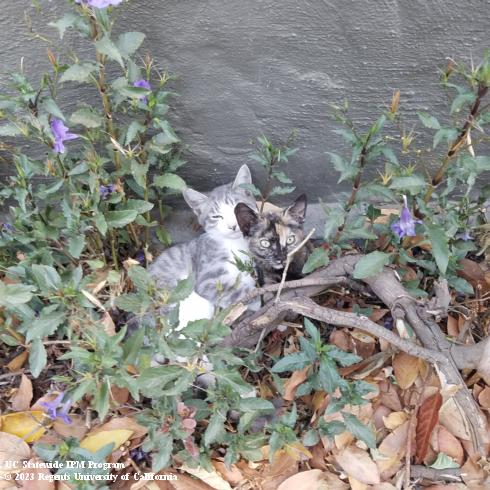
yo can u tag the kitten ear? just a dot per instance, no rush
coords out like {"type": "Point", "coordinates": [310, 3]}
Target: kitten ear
{"type": "Point", "coordinates": [246, 218]}
{"type": "Point", "coordinates": [193, 198]}
{"type": "Point", "coordinates": [242, 177]}
{"type": "Point", "coordinates": [297, 210]}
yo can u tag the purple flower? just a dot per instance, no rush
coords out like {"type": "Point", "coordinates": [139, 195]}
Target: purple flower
{"type": "Point", "coordinates": [61, 134]}
{"type": "Point", "coordinates": [140, 257]}
{"type": "Point", "coordinates": [99, 4]}
{"type": "Point", "coordinates": [405, 226]}
{"type": "Point", "coordinates": [55, 409]}
{"type": "Point", "coordinates": [142, 84]}
{"type": "Point", "coordinates": [465, 236]}
{"type": "Point", "coordinates": [7, 228]}
{"type": "Point", "coordinates": [106, 190]}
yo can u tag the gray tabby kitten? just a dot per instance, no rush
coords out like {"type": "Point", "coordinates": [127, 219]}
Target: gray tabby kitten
{"type": "Point", "coordinates": [272, 235]}
{"type": "Point", "coordinates": [210, 257]}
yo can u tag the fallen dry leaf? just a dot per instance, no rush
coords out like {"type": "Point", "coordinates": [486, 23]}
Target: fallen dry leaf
{"type": "Point", "coordinates": [358, 464]}
{"type": "Point", "coordinates": [454, 420]}
{"type": "Point", "coordinates": [292, 383]}
{"type": "Point", "coordinates": [306, 480]}
{"type": "Point", "coordinates": [95, 441]}
{"type": "Point", "coordinates": [395, 419]}
{"type": "Point", "coordinates": [21, 401]}
{"type": "Point", "coordinates": [356, 484]}
{"type": "Point", "coordinates": [77, 428]}
{"type": "Point", "coordinates": [12, 449]}
{"type": "Point", "coordinates": [211, 478]}
{"type": "Point", "coordinates": [443, 441]}
{"type": "Point", "coordinates": [484, 398]}
{"type": "Point", "coordinates": [406, 369]}
{"type": "Point", "coordinates": [427, 418]}
{"type": "Point", "coordinates": [122, 423]}
{"type": "Point", "coordinates": [37, 483]}
{"type": "Point", "coordinates": [17, 362]}
{"type": "Point", "coordinates": [119, 395]}
{"type": "Point", "coordinates": [26, 425]}
{"type": "Point", "coordinates": [233, 475]}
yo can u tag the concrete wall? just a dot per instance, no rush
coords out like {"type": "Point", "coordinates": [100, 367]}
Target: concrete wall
{"type": "Point", "coordinates": [247, 67]}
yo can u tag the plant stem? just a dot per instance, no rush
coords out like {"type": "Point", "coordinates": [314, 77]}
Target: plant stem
{"type": "Point", "coordinates": [268, 185]}
{"type": "Point", "coordinates": [356, 186]}
{"type": "Point", "coordinates": [460, 141]}
{"type": "Point", "coordinates": [113, 250]}
{"type": "Point", "coordinates": [103, 90]}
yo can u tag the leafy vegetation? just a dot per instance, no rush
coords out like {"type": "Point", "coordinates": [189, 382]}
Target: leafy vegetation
{"type": "Point", "coordinates": [76, 241]}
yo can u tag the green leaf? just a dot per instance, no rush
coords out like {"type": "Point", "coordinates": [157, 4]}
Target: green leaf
{"type": "Point", "coordinates": [462, 99]}
{"type": "Point", "coordinates": [371, 264]}
{"type": "Point", "coordinates": [311, 438]}
{"type": "Point", "coordinates": [101, 223]}
{"type": "Point", "coordinates": [139, 172]}
{"type": "Point", "coordinates": [461, 285]}
{"type": "Point", "coordinates": [70, 20]}
{"type": "Point", "coordinates": [172, 181]}
{"type": "Point", "coordinates": [255, 404]}
{"type": "Point", "coordinates": [234, 381]}
{"type": "Point", "coordinates": [133, 129]}
{"type": "Point", "coordinates": [131, 302]}
{"type": "Point", "coordinates": [15, 294]}
{"type": "Point", "coordinates": [281, 177]}
{"type": "Point", "coordinates": [129, 42]}
{"type": "Point", "coordinates": [132, 346]}
{"type": "Point", "coordinates": [443, 462]}
{"type": "Point", "coordinates": [10, 130]}
{"type": "Point", "coordinates": [440, 247]}
{"type": "Point", "coordinates": [161, 458]}
{"type": "Point", "coordinates": [346, 170]}
{"type": "Point", "coordinates": [448, 134]}
{"type": "Point", "coordinates": [78, 73]}
{"type": "Point", "coordinates": [86, 117]}
{"type": "Point", "coordinates": [52, 108]}
{"type": "Point", "coordinates": [359, 430]}
{"type": "Point", "coordinates": [318, 258]}
{"type": "Point", "coordinates": [328, 375]}
{"type": "Point", "coordinates": [215, 430]}
{"type": "Point", "coordinates": [138, 205]}
{"type": "Point", "coordinates": [46, 277]}
{"type": "Point", "coordinates": [101, 399]}
{"type": "Point", "coordinates": [312, 331]}
{"type": "Point", "coordinates": [281, 190]}
{"type": "Point", "coordinates": [154, 379]}
{"type": "Point", "coordinates": [291, 362]}
{"type": "Point", "coordinates": [334, 220]}
{"type": "Point", "coordinates": [429, 121]}
{"type": "Point", "coordinates": [343, 358]}
{"type": "Point", "coordinates": [139, 277]}
{"type": "Point", "coordinates": [37, 357]}
{"type": "Point", "coordinates": [46, 324]}
{"type": "Point", "coordinates": [412, 183]}
{"type": "Point", "coordinates": [118, 219]}
{"type": "Point", "coordinates": [107, 47]}
{"type": "Point", "coordinates": [183, 289]}
{"type": "Point", "coordinates": [76, 245]}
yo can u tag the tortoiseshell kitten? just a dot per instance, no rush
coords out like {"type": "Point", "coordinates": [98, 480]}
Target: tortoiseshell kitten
{"type": "Point", "coordinates": [271, 236]}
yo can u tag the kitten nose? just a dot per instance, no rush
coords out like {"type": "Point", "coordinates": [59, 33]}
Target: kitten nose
{"type": "Point", "coordinates": [234, 227]}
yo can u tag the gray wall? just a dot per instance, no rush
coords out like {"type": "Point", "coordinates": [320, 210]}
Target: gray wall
{"type": "Point", "coordinates": [250, 66]}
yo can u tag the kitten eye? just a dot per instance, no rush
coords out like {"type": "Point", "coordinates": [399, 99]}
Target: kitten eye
{"type": "Point", "coordinates": [217, 216]}
{"type": "Point", "coordinates": [265, 243]}
{"type": "Point", "coordinates": [291, 239]}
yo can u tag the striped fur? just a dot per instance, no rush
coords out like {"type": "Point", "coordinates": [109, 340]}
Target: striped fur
{"type": "Point", "coordinates": [210, 257]}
